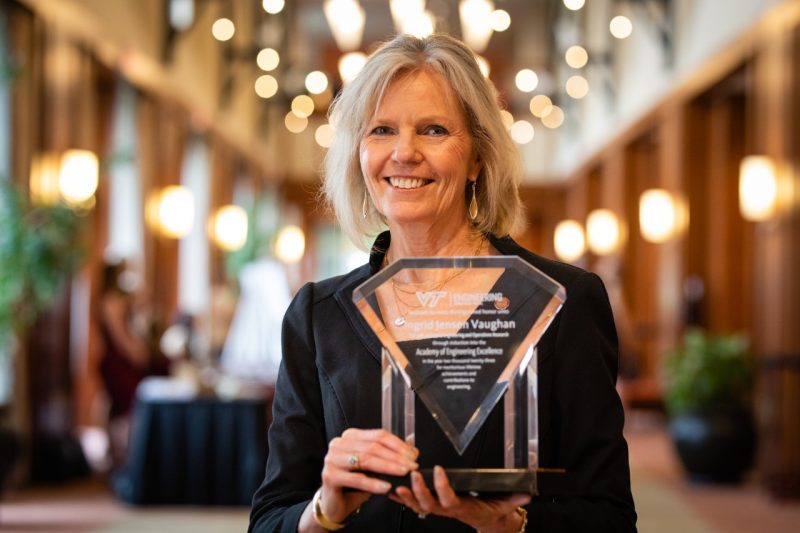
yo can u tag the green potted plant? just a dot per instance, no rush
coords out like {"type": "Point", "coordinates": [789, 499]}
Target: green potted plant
{"type": "Point", "coordinates": [708, 395]}
{"type": "Point", "coordinates": [39, 250]}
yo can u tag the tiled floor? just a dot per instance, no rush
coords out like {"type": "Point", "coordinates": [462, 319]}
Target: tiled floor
{"type": "Point", "coordinates": [664, 501]}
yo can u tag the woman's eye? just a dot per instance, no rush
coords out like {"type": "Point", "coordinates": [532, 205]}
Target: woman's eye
{"type": "Point", "coordinates": [436, 130]}
{"type": "Point", "coordinates": [381, 130]}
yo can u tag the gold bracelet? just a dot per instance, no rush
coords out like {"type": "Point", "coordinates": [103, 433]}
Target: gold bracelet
{"type": "Point", "coordinates": [319, 516]}
{"type": "Point", "coordinates": [522, 512]}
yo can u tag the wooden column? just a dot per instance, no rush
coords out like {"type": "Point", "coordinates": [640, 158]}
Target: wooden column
{"type": "Point", "coordinates": [775, 114]}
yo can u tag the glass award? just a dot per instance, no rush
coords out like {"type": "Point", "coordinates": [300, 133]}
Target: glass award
{"type": "Point", "coordinates": [460, 333]}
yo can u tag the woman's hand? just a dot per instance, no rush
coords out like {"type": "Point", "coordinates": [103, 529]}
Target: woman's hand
{"type": "Point", "coordinates": [496, 515]}
{"type": "Point", "coordinates": [350, 460]}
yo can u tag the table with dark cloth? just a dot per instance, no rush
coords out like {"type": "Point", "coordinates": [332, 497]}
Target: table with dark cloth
{"type": "Point", "coordinates": [195, 452]}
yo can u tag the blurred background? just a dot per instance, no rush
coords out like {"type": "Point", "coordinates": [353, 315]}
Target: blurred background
{"type": "Point", "coordinates": [159, 206]}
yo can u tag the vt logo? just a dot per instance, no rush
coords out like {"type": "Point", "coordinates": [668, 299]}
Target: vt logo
{"type": "Point", "coordinates": [430, 298]}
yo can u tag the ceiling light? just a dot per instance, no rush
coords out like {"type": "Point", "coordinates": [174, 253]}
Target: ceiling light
{"type": "Point", "coordinates": [272, 6]}
{"type": "Point", "coordinates": [526, 80]}
{"type": "Point", "coordinates": [324, 135]}
{"type": "Point", "coordinates": [574, 5]}
{"type": "Point", "coordinates": [620, 27]}
{"type": "Point", "coordinates": [266, 86]}
{"type": "Point", "coordinates": [501, 20]}
{"type": "Point", "coordinates": [302, 105]}
{"type": "Point", "coordinates": [577, 87]}
{"type": "Point", "coordinates": [223, 29]}
{"type": "Point", "coordinates": [540, 105]}
{"type": "Point", "coordinates": [522, 132]}
{"type": "Point", "coordinates": [476, 22]}
{"type": "Point", "coordinates": [316, 82]}
{"type": "Point", "coordinates": [346, 20]}
{"type": "Point", "coordinates": [554, 118]}
{"type": "Point", "coordinates": [576, 56]}
{"type": "Point", "coordinates": [295, 123]}
{"type": "Point", "coordinates": [268, 59]}
{"type": "Point", "coordinates": [350, 64]}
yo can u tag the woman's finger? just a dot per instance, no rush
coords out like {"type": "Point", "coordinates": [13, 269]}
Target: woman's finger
{"type": "Point", "coordinates": [404, 496]}
{"type": "Point", "coordinates": [370, 458]}
{"type": "Point", "coordinates": [427, 502]}
{"type": "Point", "coordinates": [338, 479]}
{"type": "Point", "coordinates": [445, 493]}
{"type": "Point", "coordinates": [383, 438]}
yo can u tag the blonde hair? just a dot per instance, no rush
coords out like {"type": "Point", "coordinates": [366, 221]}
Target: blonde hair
{"type": "Point", "coordinates": [500, 210]}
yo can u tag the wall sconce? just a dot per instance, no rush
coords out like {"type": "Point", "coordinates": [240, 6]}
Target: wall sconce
{"type": "Point", "coordinates": [290, 244]}
{"type": "Point", "coordinates": [43, 181]}
{"type": "Point", "coordinates": [346, 20]}
{"type": "Point", "coordinates": [170, 211]}
{"type": "Point", "coordinates": [71, 176]}
{"type": "Point", "coordinates": [603, 232]}
{"type": "Point", "coordinates": [228, 227]}
{"type": "Point", "coordinates": [569, 240]}
{"type": "Point", "coordinates": [661, 215]}
{"type": "Point", "coordinates": [78, 177]}
{"type": "Point", "coordinates": [758, 188]}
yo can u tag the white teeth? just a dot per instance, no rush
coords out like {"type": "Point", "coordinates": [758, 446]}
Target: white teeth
{"type": "Point", "coordinates": [407, 183]}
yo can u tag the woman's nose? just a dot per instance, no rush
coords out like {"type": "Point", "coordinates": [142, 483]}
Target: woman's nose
{"type": "Point", "coordinates": [406, 149]}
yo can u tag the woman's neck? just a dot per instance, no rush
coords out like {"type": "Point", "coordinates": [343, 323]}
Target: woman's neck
{"type": "Point", "coordinates": [425, 241]}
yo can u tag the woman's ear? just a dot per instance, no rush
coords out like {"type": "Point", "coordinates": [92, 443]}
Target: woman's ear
{"type": "Point", "coordinates": [475, 169]}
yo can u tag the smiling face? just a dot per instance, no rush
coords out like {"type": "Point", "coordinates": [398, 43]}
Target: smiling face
{"type": "Point", "coordinates": [416, 155]}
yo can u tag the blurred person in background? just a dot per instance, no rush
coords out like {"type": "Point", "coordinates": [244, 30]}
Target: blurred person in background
{"type": "Point", "coordinates": [420, 148]}
{"type": "Point", "coordinates": [126, 358]}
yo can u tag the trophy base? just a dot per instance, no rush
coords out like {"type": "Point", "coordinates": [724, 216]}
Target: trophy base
{"type": "Point", "coordinates": [478, 480]}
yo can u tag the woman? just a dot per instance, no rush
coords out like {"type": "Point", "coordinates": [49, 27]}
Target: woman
{"type": "Point", "coordinates": [125, 360]}
{"type": "Point", "coordinates": [420, 148]}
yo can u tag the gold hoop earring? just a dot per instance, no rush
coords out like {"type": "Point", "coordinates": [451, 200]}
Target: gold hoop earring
{"type": "Point", "coordinates": [473, 203]}
{"type": "Point", "coordinates": [364, 206]}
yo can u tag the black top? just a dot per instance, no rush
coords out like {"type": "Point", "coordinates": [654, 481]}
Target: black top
{"type": "Point", "coordinates": [329, 380]}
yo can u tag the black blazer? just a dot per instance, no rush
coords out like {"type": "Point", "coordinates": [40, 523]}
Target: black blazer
{"type": "Point", "coordinates": [329, 380]}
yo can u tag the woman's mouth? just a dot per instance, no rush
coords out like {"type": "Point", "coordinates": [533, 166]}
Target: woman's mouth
{"type": "Point", "coordinates": [408, 183]}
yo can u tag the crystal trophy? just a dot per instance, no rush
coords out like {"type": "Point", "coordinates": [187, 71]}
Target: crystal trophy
{"type": "Point", "coordinates": [460, 333]}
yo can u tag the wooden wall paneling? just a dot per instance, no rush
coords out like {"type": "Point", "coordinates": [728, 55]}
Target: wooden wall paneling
{"type": "Point", "coordinates": [696, 187]}
{"type": "Point", "coordinates": [224, 172]}
{"type": "Point", "coordinates": [614, 271]}
{"type": "Point", "coordinates": [160, 149]}
{"type": "Point", "coordinates": [544, 209]}
{"type": "Point", "coordinates": [640, 287]}
{"type": "Point", "coordinates": [86, 342]}
{"type": "Point", "coordinates": [670, 254]}
{"type": "Point", "coordinates": [776, 84]}
{"type": "Point", "coordinates": [576, 207]}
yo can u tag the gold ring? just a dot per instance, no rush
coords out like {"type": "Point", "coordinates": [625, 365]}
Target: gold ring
{"type": "Point", "coordinates": [353, 461]}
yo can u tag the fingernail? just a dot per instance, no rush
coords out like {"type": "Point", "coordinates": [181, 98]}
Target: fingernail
{"type": "Point", "coordinates": [384, 486]}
